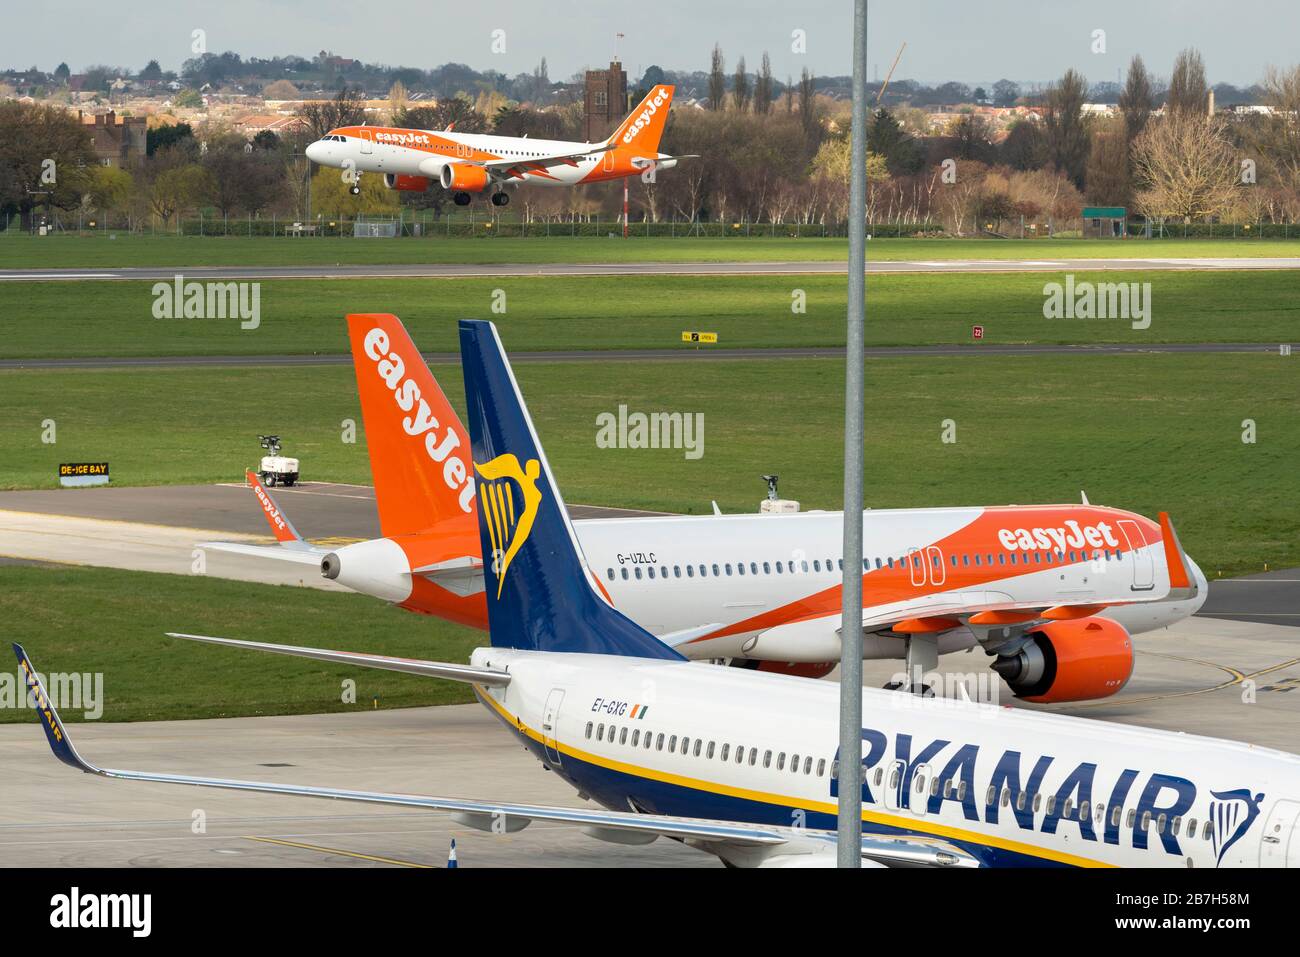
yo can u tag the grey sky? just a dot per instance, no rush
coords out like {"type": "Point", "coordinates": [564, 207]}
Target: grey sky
{"type": "Point", "coordinates": [973, 41]}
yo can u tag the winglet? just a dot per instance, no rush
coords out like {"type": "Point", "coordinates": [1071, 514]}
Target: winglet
{"type": "Point", "coordinates": [281, 527]}
{"type": "Point", "coordinates": [60, 744]}
{"type": "Point", "coordinates": [1182, 583]}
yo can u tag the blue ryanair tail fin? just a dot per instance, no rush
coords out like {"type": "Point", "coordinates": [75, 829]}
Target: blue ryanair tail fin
{"type": "Point", "coordinates": [540, 594]}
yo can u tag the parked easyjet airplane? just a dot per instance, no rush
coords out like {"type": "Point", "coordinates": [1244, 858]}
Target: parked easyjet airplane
{"type": "Point", "coordinates": [1052, 592]}
{"type": "Point", "coordinates": [466, 163]}
{"type": "Point", "coordinates": [727, 760]}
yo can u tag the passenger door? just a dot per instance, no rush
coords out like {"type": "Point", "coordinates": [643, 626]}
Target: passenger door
{"type": "Point", "coordinates": [1144, 566]}
{"type": "Point", "coordinates": [918, 798]}
{"type": "Point", "coordinates": [1280, 843]}
{"type": "Point", "coordinates": [916, 566]}
{"type": "Point", "coordinates": [891, 789]}
{"type": "Point", "coordinates": [550, 724]}
{"type": "Point", "coordinates": [938, 571]}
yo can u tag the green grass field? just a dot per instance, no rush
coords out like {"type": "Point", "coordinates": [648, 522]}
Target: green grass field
{"type": "Point", "coordinates": [81, 620]}
{"type": "Point", "coordinates": [305, 316]}
{"type": "Point", "coordinates": [22, 251]}
{"type": "Point", "coordinates": [1145, 432]}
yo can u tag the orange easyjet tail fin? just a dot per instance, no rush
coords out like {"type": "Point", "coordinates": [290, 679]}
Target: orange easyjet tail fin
{"type": "Point", "coordinates": [645, 125]}
{"type": "Point", "coordinates": [419, 450]}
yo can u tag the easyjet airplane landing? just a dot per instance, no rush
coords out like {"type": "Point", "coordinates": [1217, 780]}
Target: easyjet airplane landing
{"type": "Point", "coordinates": [468, 163]}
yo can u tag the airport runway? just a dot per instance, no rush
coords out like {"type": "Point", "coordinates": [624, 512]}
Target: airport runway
{"type": "Point", "coordinates": [504, 270]}
{"type": "Point", "coordinates": [685, 352]}
{"type": "Point", "coordinates": [1228, 679]}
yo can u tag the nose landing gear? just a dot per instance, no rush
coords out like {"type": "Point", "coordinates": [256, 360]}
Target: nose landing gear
{"type": "Point", "coordinates": [355, 188]}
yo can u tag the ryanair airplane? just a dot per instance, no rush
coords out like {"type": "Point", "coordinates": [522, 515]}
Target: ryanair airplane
{"type": "Point", "coordinates": [744, 765]}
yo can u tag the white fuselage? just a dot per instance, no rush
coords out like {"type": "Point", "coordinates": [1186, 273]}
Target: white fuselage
{"type": "Point", "coordinates": [426, 152]}
{"type": "Point", "coordinates": [770, 582]}
{"type": "Point", "coordinates": [1010, 786]}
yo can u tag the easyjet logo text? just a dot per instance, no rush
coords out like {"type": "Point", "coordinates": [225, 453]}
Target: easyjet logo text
{"type": "Point", "coordinates": [1070, 535]}
{"type": "Point", "coordinates": [643, 120]}
{"type": "Point", "coordinates": [403, 139]}
{"type": "Point", "coordinates": [421, 422]}
{"type": "Point", "coordinates": [268, 506]}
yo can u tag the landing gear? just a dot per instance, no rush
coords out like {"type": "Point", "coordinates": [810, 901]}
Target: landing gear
{"type": "Point", "coordinates": [355, 188]}
{"type": "Point", "coordinates": [461, 199]}
{"type": "Point", "coordinates": [500, 199]}
{"type": "Point", "coordinates": [922, 660]}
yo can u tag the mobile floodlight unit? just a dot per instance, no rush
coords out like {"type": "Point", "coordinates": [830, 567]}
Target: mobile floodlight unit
{"type": "Point", "coordinates": [276, 469]}
{"type": "Point", "coordinates": [774, 504]}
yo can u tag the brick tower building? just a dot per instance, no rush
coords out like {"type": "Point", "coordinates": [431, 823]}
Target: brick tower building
{"type": "Point", "coordinates": [604, 101]}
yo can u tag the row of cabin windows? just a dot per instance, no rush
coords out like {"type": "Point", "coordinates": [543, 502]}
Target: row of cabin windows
{"type": "Point", "coordinates": [709, 750]}
{"type": "Point", "coordinates": [836, 565]}
{"type": "Point", "coordinates": [1069, 810]}
{"type": "Point", "coordinates": [1086, 810]}
{"type": "Point", "coordinates": [444, 149]}
{"type": "Point", "coordinates": [343, 139]}
{"type": "Point", "coordinates": [697, 747]}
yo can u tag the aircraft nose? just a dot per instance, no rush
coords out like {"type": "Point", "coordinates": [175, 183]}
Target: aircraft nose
{"type": "Point", "coordinates": [316, 152]}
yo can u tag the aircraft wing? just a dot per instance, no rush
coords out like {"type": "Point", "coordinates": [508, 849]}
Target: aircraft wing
{"type": "Point", "coordinates": [684, 637]}
{"type": "Point", "coordinates": [512, 168]}
{"type": "Point", "coordinates": [746, 843]}
{"type": "Point", "coordinates": [414, 666]}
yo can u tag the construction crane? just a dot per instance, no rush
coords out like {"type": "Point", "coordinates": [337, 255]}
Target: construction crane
{"type": "Point", "coordinates": [888, 76]}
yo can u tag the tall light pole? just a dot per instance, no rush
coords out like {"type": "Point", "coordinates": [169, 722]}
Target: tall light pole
{"type": "Point", "coordinates": [850, 766]}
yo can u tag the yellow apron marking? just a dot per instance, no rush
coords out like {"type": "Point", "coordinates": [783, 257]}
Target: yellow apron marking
{"type": "Point", "coordinates": [335, 850]}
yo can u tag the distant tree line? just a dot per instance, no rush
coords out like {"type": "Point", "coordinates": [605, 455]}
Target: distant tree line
{"type": "Point", "coordinates": [772, 152]}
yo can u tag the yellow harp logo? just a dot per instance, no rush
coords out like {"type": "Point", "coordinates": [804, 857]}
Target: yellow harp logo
{"type": "Point", "coordinates": [509, 523]}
